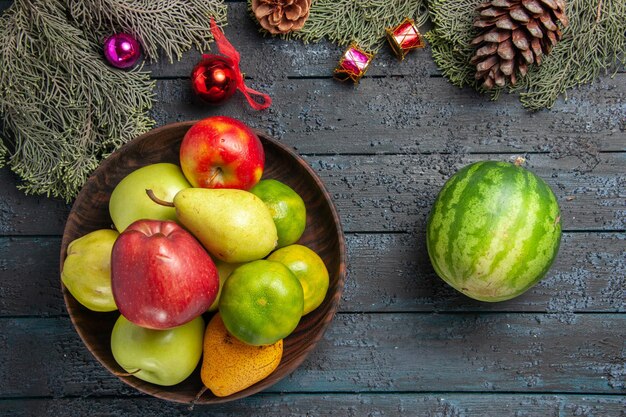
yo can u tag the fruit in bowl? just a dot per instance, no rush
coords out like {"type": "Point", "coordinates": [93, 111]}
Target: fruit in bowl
{"type": "Point", "coordinates": [230, 365]}
{"type": "Point", "coordinates": [160, 275]}
{"type": "Point", "coordinates": [224, 269]}
{"type": "Point", "coordinates": [163, 357]}
{"type": "Point", "coordinates": [233, 225]}
{"type": "Point", "coordinates": [261, 302]}
{"type": "Point", "coordinates": [129, 201]}
{"type": "Point", "coordinates": [286, 207]}
{"type": "Point", "coordinates": [222, 152]}
{"type": "Point", "coordinates": [322, 234]}
{"type": "Point", "coordinates": [87, 270]}
{"type": "Point", "coordinates": [309, 268]}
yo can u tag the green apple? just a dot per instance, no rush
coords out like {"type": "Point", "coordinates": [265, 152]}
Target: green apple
{"type": "Point", "coordinates": [223, 270]}
{"type": "Point", "coordinates": [87, 270]}
{"type": "Point", "coordinates": [162, 357]}
{"type": "Point", "coordinates": [129, 201]}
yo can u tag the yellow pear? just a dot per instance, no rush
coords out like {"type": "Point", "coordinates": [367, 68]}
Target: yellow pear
{"type": "Point", "coordinates": [223, 270]}
{"type": "Point", "coordinates": [233, 225]}
{"type": "Point", "coordinates": [87, 270]}
{"type": "Point", "coordinates": [229, 365]}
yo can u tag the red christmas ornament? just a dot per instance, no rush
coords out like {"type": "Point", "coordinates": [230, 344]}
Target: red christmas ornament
{"type": "Point", "coordinates": [213, 79]}
{"type": "Point", "coordinates": [404, 38]}
{"type": "Point", "coordinates": [121, 50]}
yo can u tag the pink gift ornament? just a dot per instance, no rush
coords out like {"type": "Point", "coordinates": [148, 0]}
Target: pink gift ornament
{"type": "Point", "coordinates": [353, 64]}
{"type": "Point", "coordinates": [404, 38]}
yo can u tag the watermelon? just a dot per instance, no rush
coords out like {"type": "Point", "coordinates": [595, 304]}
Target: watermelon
{"type": "Point", "coordinates": [494, 230]}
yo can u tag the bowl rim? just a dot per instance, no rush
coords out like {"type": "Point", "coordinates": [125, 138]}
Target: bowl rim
{"type": "Point", "coordinates": [312, 342]}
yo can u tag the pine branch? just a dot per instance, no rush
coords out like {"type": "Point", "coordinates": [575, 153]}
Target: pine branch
{"type": "Point", "coordinates": [591, 47]}
{"type": "Point", "coordinates": [452, 58]}
{"type": "Point", "coordinates": [173, 26]}
{"type": "Point", "coordinates": [63, 109]}
{"type": "Point", "coordinates": [3, 153]}
{"type": "Point", "coordinates": [593, 44]}
{"type": "Point", "coordinates": [454, 19]}
{"type": "Point", "coordinates": [363, 21]}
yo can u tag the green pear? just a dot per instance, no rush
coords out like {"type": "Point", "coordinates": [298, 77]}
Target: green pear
{"type": "Point", "coordinates": [87, 270]}
{"type": "Point", "coordinates": [233, 225]}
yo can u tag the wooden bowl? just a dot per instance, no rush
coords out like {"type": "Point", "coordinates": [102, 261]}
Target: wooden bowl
{"type": "Point", "coordinates": [323, 234]}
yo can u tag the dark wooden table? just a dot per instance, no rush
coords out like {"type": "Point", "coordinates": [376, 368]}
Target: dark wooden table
{"type": "Point", "coordinates": [403, 343]}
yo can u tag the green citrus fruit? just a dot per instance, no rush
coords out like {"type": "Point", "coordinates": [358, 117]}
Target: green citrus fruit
{"type": "Point", "coordinates": [309, 268]}
{"type": "Point", "coordinates": [286, 207]}
{"type": "Point", "coordinates": [261, 302]}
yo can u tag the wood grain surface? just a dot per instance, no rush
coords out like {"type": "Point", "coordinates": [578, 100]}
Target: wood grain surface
{"type": "Point", "coordinates": [298, 405]}
{"type": "Point", "coordinates": [403, 342]}
{"type": "Point", "coordinates": [400, 352]}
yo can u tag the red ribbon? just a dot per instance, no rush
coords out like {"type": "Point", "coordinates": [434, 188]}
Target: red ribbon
{"type": "Point", "coordinates": [257, 100]}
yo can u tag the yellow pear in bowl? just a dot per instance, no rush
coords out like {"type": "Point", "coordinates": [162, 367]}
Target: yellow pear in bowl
{"type": "Point", "coordinates": [230, 365]}
{"type": "Point", "coordinates": [87, 270]}
{"type": "Point", "coordinates": [233, 225]}
{"type": "Point", "coordinates": [224, 270]}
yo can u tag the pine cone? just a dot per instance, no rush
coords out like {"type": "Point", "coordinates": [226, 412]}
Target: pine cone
{"type": "Point", "coordinates": [281, 16]}
{"type": "Point", "coordinates": [513, 35]}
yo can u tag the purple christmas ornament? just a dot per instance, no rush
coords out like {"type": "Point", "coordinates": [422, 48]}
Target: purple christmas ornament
{"type": "Point", "coordinates": [121, 50]}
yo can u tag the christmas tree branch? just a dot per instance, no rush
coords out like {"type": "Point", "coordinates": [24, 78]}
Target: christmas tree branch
{"type": "Point", "coordinates": [344, 21]}
{"type": "Point", "coordinates": [589, 48]}
{"type": "Point", "coordinates": [593, 44]}
{"type": "Point", "coordinates": [63, 109]}
{"type": "Point", "coordinates": [173, 26]}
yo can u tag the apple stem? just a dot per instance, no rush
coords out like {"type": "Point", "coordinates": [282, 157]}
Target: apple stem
{"type": "Point", "coordinates": [158, 200]}
{"type": "Point", "coordinates": [126, 373]}
{"type": "Point", "coordinates": [218, 170]}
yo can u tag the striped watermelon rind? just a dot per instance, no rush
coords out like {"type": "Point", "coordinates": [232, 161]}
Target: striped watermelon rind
{"type": "Point", "coordinates": [494, 230]}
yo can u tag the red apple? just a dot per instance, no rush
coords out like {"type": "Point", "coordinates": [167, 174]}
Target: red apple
{"type": "Point", "coordinates": [222, 152]}
{"type": "Point", "coordinates": [161, 276]}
